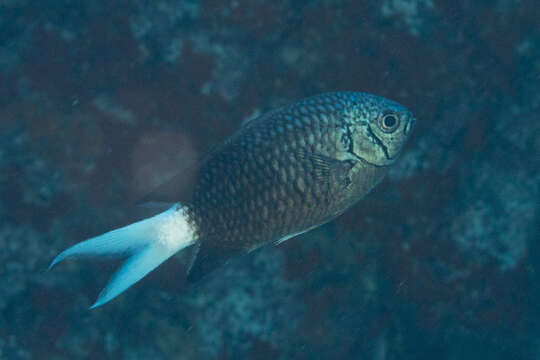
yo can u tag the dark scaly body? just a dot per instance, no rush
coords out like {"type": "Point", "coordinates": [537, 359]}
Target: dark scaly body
{"type": "Point", "coordinates": [281, 174]}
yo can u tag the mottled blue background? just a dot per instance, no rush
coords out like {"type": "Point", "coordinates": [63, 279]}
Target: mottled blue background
{"type": "Point", "coordinates": [100, 101]}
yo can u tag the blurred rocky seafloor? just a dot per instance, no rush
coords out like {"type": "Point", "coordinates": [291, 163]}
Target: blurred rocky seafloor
{"type": "Point", "coordinates": [101, 101]}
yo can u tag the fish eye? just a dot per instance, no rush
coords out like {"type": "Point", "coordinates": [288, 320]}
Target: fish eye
{"type": "Point", "coordinates": [389, 122]}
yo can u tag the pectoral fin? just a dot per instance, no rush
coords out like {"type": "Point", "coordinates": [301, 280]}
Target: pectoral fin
{"type": "Point", "coordinates": [327, 169]}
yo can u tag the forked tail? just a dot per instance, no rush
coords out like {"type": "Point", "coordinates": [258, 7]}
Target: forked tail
{"type": "Point", "coordinates": [146, 243]}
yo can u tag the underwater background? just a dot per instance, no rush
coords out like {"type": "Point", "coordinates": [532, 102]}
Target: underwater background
{"type": "Point", "coordinates": [101, 101]}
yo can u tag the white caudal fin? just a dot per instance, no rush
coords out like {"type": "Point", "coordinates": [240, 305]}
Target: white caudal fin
{"type": "Point", "coordinates": [147, 243]}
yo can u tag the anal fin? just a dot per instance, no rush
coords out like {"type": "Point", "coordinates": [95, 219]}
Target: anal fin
{"type": "Point", "coordinates": [208, 259]}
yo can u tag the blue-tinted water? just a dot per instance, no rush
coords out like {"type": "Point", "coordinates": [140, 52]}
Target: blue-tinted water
{"type": "Point", "coordinates": [101, 101]}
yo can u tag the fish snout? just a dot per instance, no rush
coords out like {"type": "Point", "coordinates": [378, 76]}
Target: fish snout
{"type": "Point", "coordinates": [410, 124]}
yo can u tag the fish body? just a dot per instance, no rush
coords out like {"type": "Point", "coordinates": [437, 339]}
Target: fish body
{"type": "Point", "coordinates": [281, 174]}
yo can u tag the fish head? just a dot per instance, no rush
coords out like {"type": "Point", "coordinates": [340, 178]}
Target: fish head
{"type": "Point", "coordinates": [379, 128]}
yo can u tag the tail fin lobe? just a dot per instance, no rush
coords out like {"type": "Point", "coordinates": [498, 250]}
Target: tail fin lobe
{"type": "Point", "coordinates": [148, 243]}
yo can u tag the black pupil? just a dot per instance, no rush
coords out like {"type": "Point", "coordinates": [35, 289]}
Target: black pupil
{"type": "Point", "coordinates": [390, 121]}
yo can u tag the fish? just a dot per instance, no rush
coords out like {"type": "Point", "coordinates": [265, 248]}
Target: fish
{"type": "Point", "coordinates": [281, 174]}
